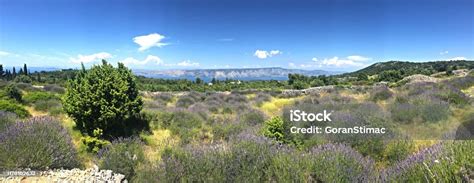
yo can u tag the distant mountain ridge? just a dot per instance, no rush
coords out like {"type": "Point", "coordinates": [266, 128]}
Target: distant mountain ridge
{"type": "Point", "coordinates": [276, 73]}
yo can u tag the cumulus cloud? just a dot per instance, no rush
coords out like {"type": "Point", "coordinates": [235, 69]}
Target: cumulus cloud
{"type": "Point", "coordinates": [4, 53]}
{"type": "Point", "coordinates": [335, 61]}
{"type": "Point", "coordinates": [263, 54]}
{"type": "Point", "coordinates": [443, 52]}
{"type": "Point", "coordinates": [149, 59]}
{"type": "Point", "coordinates": [188, 63]}
{"type": "Point", "coordinates": [353, 60]}
{"type": "Point", "coordinates": [358, 58]}
{"type": "Point", "coordinates": [90, 58]}
{"type": "Point", "coordinates": [458, 58]}
{"type": "Point", "coordinates": [150, 40]}
{"type": "Point", "coordinates": [291, 64]}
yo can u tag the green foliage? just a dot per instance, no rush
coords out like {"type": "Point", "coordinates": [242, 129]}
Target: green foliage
{"type": "Point", "coordinates": [33, 97]}
{"type": "Point", "coordinates": [13, 92]}
{"type": "Point", "coordinates": [274, 128]}
{"type": "Point", "coordinates": [10, 106]}
{"type": "Point", "coordinates": [6, 119]}
{"type": "Point", "coordinates": [381, 93]}
{"type": "Point", "coordinates": [23, 79]}
{"type": "Point", "coordinates": [186, 124]}
{"type": "Point", "coordinates": [94, 144]}
{"type": "Point", "coordinates": [397, 150]}
{"type": "Point", "coordinates": [104, 98]}
{"type": "Point", "coordinates": [122, 156]}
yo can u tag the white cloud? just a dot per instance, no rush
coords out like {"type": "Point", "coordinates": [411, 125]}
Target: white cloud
{"type": "Point", "coordinates": [150, 40]}
{"type": "Point", "coordinates": [335, 61]}
{"type": "Point", "coordinates": [358, 58]}
{"type": "Point", "coordinates": [90, 58]}
{"type": "Point", "coordinates": [291, 64]}
{"type": "Point", "coordinates": [149, 59]}
{"type": "Point", "coordinates": [353, 60]}
{"type": "Point", "coordinates": [4, 53]}
{"type": "Point", "coordinates": [443, 52]}
{"type": "Point", "coordinates": [458, 58]}
{"type": "Point", "coordinates": [188, 63]}
{"type": "Point", "coordinates": [263, 54]}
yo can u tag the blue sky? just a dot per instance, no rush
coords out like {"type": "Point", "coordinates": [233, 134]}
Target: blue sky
{"type": "Point", "coordinates": [339, 35]}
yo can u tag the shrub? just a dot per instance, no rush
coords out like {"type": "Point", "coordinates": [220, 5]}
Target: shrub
{"type": "Point", "coordinates": [104, 98]}
{"type": "Point", "coordinates": [38, 143]}
{"type": "Point", "coordinates": [54, 88]}
{"type": "Point", "coordinates": [10, 106]}
{"type": "Point", "coordinates": [449, 161]}
{"type": "Point", "coordinates": [185, 101]}
{"type": "Point", "coordinates": [94, 144]}
{"type": "Point", "coordinates": [434, 112]}
{"type": "Point", "coordinates": [403, 112]}
{"type": "Point", "coordinates": [13, 92]}
{"type": "Point", "coordinates": [186, 124]}
{"type": "Point", "coordinates": [33, 97]}
{"type": "Point", "coordinates": [46, 105]}
{"type": "Point", "coordinates": [22, 79]}
{"type": "Point", "coordinates": [274, 128]}
{"type": "Point", "coordinates": [253, 117]}
{"type": "Point", "coordinates": [6, 119]}
{"type": "Point", "coordinates": [381, 93]}
{"type": "Point", "coordinates": [398, 150]}
{"type": "Point", "coordinates": [123, 156]}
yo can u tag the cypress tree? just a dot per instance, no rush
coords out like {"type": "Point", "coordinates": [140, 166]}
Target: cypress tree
{"type": "Point", "coordinates": [25, 69]}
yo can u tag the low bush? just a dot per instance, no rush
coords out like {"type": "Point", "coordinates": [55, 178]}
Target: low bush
{"type": "Point", "coordinates": [122, 156]}
{"type": "Point", "coordinates": [10, 106]}
{"type": "Point", "coordinates": [14, 93]}
{"type": "Point", "coordinates": [185, 102]}
{"type": "Point", "coordinates": [33, 97]}
{"type": "Point", "coordinates": [397, 150]}
{"type": "Point", "coordinates": [54, 88]}
{"type": "Point", "coordinates": [6, 119]}
{"type": "Point", "coordinates": [38, 143]}
{"type": "Point", "coordinates": [47, 105]}
{"type": "Point", "coordinates": [381, 93]}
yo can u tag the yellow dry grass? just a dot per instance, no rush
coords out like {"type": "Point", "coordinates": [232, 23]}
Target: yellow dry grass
{"type": "Point", "coordinates": [157, 142]}
{"type": "Point", "coordinates": [276, 105]}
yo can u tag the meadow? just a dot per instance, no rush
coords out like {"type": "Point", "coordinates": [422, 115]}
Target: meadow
{"type": "Point", "coordinates": [243, 135]}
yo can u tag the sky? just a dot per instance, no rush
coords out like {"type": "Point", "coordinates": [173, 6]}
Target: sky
{"type": "Point", "coordinates": [333, 35]}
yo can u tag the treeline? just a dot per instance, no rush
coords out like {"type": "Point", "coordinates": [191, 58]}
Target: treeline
{"type": "Point", "coordinates": [152, 84]}
{"type": "Point", "coordinates": [24, 75]}
{"type": "Point", "coordinates": [392, 71]}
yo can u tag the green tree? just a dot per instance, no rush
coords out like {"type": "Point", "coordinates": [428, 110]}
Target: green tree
{"type": "Point", "coordinates": [2, 73]}
{"type": "Point", "coordinates": [25, 69]}
{"type": "Point", "coordinates": [13, 92]}
{"type": "Point", "coordinates": [274, 128]}
{"type": "Point", "coordinates": [104, 98]}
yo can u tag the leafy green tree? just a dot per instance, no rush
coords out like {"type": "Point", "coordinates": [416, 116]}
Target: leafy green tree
{"type": "Point", "coordinates": [13, 92]}
{"type": "Point", "coordinates": [104, 98]}
{"type": "Point", "coordinates": [274, 128]}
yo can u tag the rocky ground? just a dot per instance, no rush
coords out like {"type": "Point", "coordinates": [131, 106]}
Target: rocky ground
{"type": "Point", "coordinates": [92, 175]}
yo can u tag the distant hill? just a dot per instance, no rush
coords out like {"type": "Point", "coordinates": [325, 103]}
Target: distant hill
{"type": "Point", "coordinates": [272, 73]}
{"type": "Point", "coordinates": [410, 68]}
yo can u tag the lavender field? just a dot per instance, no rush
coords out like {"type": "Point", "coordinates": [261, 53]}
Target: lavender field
{"type": "Point", "coordinates": [244, 135]}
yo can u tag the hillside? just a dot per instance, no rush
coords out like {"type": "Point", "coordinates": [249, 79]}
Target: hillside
{"type": "Point", "coordinates": [410, 68]}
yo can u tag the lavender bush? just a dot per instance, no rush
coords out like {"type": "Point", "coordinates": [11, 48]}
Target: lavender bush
{"type": "Point", "coordinates": [124, 156]}
{"type": "Point", "coordinates": [38, 143]}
